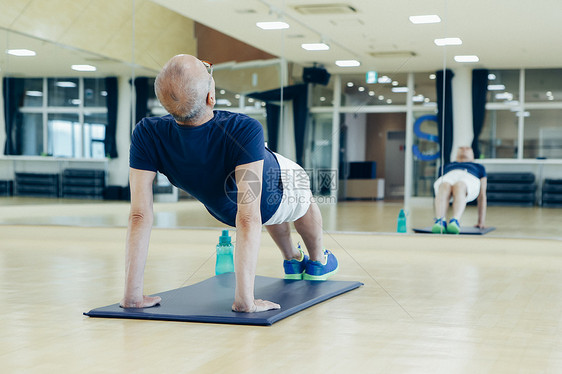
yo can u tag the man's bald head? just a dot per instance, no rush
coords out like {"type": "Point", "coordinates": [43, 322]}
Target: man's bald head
{"type": "Point", "coordinates": [182, 87]}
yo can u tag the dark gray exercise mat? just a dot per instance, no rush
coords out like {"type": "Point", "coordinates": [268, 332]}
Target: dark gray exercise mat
{"type": "Point", "coordinates": [211, 301]}
{"type": "Point", "coordinates": [465, 230]}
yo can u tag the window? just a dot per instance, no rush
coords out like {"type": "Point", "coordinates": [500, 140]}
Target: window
{"type": "Point", "coordinates": [523, 114]}
{"type": "Point", "coordinates": [63, 117]}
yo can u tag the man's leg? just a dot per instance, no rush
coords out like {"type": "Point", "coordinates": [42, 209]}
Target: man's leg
{"type": "Point", "coordinates": [309, 228]}
{"type": "Point", "coordinates": [281, 235]}
{"type": "Point", "coordinates": [459, 200]}
{"type": "Point", "coordinates": [442, 199]}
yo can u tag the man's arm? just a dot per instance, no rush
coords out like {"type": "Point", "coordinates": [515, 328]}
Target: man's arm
{"type": "Point", "coordinates": [138, 237]}
{"type": "Point", "coordinates": [482, 203]}
{"type": "Point", "coordinates": [248, 235]}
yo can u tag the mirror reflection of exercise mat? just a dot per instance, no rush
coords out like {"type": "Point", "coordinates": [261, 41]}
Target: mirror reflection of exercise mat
{"type": "Point", "coordinates": [211, 300]}
{"type": "Point", "coordinates": [465, 230]}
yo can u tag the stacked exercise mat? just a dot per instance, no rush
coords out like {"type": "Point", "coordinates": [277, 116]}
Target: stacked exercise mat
{"type": "Point", "coordinates": [6, 188]}
{"type": "Point", "coordinates": [552, 193]}
{"type": "Point", "coordinates": [37, 184]}
{"type": "Point", "coordinates": [83, 183]}
{"type": "Point", "coordinates": [511, 189]}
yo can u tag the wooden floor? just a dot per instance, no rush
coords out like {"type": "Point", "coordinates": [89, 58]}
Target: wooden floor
{"type": "Point", "coordinates": [429, 304]}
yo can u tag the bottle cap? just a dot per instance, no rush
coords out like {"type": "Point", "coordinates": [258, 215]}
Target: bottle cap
{"type": "Point", "coordinates": [224, 238]}
{"type": "Point", "coordinates": [402, 213]}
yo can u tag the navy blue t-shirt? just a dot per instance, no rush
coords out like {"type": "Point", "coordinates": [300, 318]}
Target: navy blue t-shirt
{"type": "Point", "coordinates": [201, 159]}
{"type": "Point", "coordinates": [473, 168]}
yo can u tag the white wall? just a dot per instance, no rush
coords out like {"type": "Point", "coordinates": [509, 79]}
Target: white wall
{"type": "Point", "coordinates": [356, 136]}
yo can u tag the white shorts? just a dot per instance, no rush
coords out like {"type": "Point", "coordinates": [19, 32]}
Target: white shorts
{"type": "Point", "coordinates": [460, 175]}
{"type": "Point", "coordinates": [296, 192]}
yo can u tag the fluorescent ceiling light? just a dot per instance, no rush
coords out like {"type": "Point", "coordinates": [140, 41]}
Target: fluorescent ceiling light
{"type": "Point", "coordinates": [83, 67]}
{"type": "Point", "coordinates": [34, 93]}
{"type": "Point", "coordinates": [400, 89]}
{"type": "Point", "coordinates": [276, 25]}
{"type": "Point", "coordinates": [432, 18]}
{"type": "Point", "coordinates": [315, 46]}
{"type": "Point", "coordinates": [65, 84]}
{"type": "Point", "coordinates": [76, 101]}
{"type": "Point", "coordinates": [467, 58]}
{"type": "Point", "coordinates": [496, 87]}
{"type": "Point", "coordinates": [447, 41]}
{"type": "Point", "coordinates": [21, 52]}
{"type": "Point", "coordinates": [347, 63]}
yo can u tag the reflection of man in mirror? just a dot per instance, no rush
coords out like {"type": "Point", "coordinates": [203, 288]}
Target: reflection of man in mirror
{"type": "Point", "coordinates": [462, 181]}
{"type": "Point", "coordinates": [221, 159]}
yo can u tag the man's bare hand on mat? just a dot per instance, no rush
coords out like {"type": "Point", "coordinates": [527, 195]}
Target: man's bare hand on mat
{"type": "Point", "coordinates": [146, 302]}
{"type": "Point", "coordinates": [258, 306]}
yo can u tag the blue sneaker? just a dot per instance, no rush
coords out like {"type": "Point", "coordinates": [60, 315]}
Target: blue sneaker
{"type": "Point", "coordinates": [453, 227]}
{"type": "Point", "coordinates": [294, 269]}
{"type": "Point", "coordinates": [316, 270]}
{"type": "Point", "coordinates": [439, 227]}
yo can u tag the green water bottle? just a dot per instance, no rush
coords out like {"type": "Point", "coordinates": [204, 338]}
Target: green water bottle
{"type": "Point", "coordinates": [225, 254]}
{"type": "Point", "coordinates": [401, 224]}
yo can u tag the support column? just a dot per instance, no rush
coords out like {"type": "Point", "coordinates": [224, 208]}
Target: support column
{"type": "Point", "coordinates": [462, 109]}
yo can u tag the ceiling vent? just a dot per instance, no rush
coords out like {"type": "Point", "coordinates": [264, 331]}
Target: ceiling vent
{"type": "Point", "coordinates": [320, 9]}
{"type": "Point", "coordinates": [393, 54]}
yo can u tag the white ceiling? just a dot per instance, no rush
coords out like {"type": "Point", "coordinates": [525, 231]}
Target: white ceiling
{"type": "Point", "coordinates": [502, 33]}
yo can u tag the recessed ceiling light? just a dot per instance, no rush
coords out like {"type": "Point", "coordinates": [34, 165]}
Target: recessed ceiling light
{"type": "Point", "coordinates": [432, 18]}
{"type": "Point", "coordinates": [389, 101]}
{"type": "Point", "coordinates": [103, 93]}
{"type": "Point", "coordinates": [315, 46]}
{"type": "Point", "coordinates": [349, 84]}
{"type": "Point", "coordinates": [83, 67]}
{"type": "Point", "coordinates": [222, 92]}
{"type": "Point", "coordinates": [496, 87]}
{"type": "Point", "coordinates": [384, 79]}
{"type": "Point", "coordinates": [447, 41]}
{"type": "Point", "coordinates": [76, 101]}
{"type": "Point", "coordinates": [360, 89]}
{"type": "Point", "coordinates": [322, 98]}
{"type": "Point", "coordinates": [467, 58]}
{"type": "Point", "coordinates": [65, 84]}
{"type": "Point", "coordinates": [381, 97]}
{"type": "Point", "coordinates": [432, 76]}
{"type": "Point", "coordinates": [491, 77]}
{"type": "Point", "coordinates": [418, 99]}
{"type": "Point", "coordinates": [347, 63]}
{"type": "Point", "coordinates": [371, 93]}
{"type": "Point", "coordinates": [548, 93]}
{"type": "Point", "coordinates": [395, 83]}
{"type": "Point", "coordinates": [21, 52]}
{"type": "Point", "coordinates": [504, 96]}
{"type": "Point", "coordinates": [400, 89]}
{"type": "Point", "coordinates": [276, 25]}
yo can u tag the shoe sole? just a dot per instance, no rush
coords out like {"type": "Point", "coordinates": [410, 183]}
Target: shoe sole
{"type": "Point", "coordinates": [320, 277]}
{"type": "Point", "coordinates": [294, 276]}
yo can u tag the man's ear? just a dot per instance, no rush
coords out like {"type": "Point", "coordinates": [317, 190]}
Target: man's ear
{"type": "Point", "coordinates": [211, 99]}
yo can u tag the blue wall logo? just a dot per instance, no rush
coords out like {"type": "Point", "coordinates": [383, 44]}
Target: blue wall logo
{"type": "Point", "coordinates": [424, 135]}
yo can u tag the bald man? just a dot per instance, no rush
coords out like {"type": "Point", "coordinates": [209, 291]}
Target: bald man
{"type": "Point", "coordinates": [463, 181]}
{"type": "Point", "coordinates": [220, 158]}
